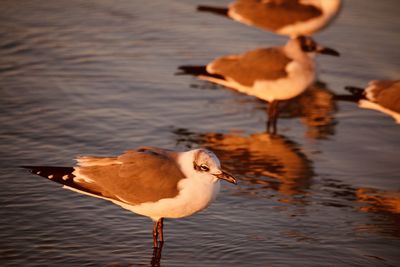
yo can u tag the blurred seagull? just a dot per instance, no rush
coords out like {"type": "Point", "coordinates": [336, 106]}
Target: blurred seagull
{"type": "Point", "coordinates": [270, 74]}
{"type": "Point", "coordinates": [286, 17]}
{"type": "Point", "coordinates": [149, 181]}
{"type": "Point", "coordinates": [380, 95]}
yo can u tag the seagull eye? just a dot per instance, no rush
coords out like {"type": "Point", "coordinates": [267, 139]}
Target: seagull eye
{"type": "Point", "coordinates": [204, 168]}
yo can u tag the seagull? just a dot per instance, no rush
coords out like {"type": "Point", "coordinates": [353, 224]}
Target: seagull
{"type": "Point", "coordinates": [270, 74]}
{"type": "Point", "coordinates": [149, 181]}
{"type": "Point", "coordinates": [285, 17]}
{"type": "Point", "coordinates": [380, 95]}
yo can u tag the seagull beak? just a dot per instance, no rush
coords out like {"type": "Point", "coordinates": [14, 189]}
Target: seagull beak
{"type": "Point", "coordinates": [226, 176]}
{"type": "Point", "coordinates": [327, 51]}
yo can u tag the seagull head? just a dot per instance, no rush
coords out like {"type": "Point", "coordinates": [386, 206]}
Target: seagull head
{"type": "Point", "coordinates": [206, 163]}
{"type": "Point", "coordinates": [308, 45]}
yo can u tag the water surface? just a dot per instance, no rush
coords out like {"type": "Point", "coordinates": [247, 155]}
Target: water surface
{"type": "Point", "coordinates": [97, 77]}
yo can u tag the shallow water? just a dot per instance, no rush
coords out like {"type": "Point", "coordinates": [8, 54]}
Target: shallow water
{"type": "Point", "coordinates": [97, 77]}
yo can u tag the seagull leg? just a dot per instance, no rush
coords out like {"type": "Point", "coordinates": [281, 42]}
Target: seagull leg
{"type": "Point", "coordinates": [269, 114]}
{"type": "Point", "coordinates": [155, 234]}
{"type": "Point", "coordinates": [160, 227]}
{"type": "Point", "coordinates": [158, 232]}
{"type": "Point", "coordinates": [275, 117]}
{"type": "Point", "coordinates": [272, 116]}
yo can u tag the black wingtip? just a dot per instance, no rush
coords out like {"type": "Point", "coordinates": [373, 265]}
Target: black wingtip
{"type": "Point", "coordinates": [197, 71]}
{"type": "Point", "coordinates": [222, 11]}
{"type": "Point", "coordinates": [192, 70]}
{"type": "Point", "coordinates": [57, 174]}
{"type": "Point", "coordinates": [355, 91]}
{"type": "Point", "coordinates": [61, 175]}
{"type": "Point", "coordinates": [355, 95]}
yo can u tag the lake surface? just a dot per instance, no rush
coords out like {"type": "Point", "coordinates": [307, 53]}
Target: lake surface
{"type": "Point", "coordinates": [98, 77]}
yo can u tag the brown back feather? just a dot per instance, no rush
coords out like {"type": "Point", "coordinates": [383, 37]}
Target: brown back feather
{"type": "Point", "coordinates": [275, 14]}
{"type": "Point", "coordinates": [142, 175]}
{"type": "Point", "coordinates": [259, 64]}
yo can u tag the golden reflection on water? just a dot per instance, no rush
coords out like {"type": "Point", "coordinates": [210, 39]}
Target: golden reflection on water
{"type": "Point", "coordinates": [155, 259]}
{"type": "Point", "coordinates": [316, 108]}
{"type": "Point", "coordinates": [266, 163]}
{"type": "Point", "coordinates": [261, 160]}
{"type": "Point", "coordinates": [378, 201]}
{"type": "Point", "coordinates": [384, 203]}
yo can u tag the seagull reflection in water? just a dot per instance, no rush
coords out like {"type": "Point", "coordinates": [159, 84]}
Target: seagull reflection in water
{"type": "Point", "coordinates": [387, 204]}
{"type": "Point", "coordinates": [157, 254]}
{"type": "Point", "coordinates": [155, 258]}
{"type": "Point", "coordinates": [263, 161]}
{"type": "Point", "coordinates": [378, 201]}
{"type": "Point", "coordinates": [316, 108]}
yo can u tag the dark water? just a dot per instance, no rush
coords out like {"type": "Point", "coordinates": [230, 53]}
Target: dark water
{"type": "Point", "coordinates": [97, 77]}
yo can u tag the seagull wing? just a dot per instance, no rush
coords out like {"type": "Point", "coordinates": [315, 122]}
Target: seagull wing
{"type": "Point", "coordinates": [256, 65]}
{"type": "Point", "coordinates": [137, 176]}
{"type": "Point", "coordinates": [273, 14]}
